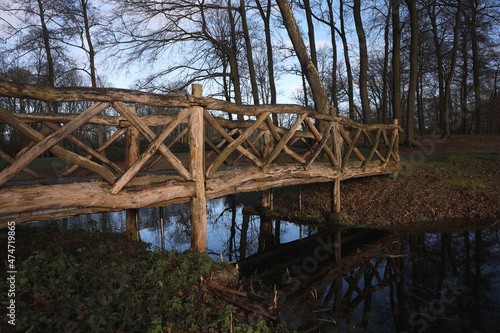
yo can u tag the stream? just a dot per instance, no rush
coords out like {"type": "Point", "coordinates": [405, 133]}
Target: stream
{"type": "Point", "coordinates": [375, 281]}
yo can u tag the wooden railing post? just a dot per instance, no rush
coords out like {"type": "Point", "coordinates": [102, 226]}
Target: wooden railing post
{"type": "Point", "coordinates": [197, 170]}
{"type": "Point", "coordinates": [132, 153]}
{"type": "Point", "coordinates": [267, 195]}
{"type": "Point", "coordinates": [396, 147]}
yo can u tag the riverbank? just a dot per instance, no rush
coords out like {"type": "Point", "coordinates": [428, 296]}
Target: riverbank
{"type": "Point", "coordinates": [103, 281]}
{"type": "Point", "coordinates": [442, 182]}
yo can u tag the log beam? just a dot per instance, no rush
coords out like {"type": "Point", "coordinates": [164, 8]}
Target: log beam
{"type": "Point", "coordinates": [43, 144]}
{"type": "Point", "coordinates": [197, 169]}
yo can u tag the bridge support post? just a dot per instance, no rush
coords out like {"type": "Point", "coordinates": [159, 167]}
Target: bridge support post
{"type": "Point", "coordinates": [132, 153]}
{"type": "Point", "coordinates": [197, 170]}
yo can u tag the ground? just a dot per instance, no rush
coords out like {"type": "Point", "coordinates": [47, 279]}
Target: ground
{"type": "Point", "coordinates": [442, 182]}
{"type": "Point", "coordinates": [107, 282]}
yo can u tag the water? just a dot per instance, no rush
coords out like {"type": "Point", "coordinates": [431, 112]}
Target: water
{"type": "Point", "coordinates": [388, 281]}
{"type": "Point", "coordinates": [221, 213]}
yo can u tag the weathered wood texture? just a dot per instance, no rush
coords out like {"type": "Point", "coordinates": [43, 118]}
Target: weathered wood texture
{"type": "Point", "coordinates": [249, 155]}
{"type": "Point", "coordinates": [197, 170]}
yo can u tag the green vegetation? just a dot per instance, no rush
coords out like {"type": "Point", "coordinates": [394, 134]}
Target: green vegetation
{"type": "Point", "coordinates": [102, 281]}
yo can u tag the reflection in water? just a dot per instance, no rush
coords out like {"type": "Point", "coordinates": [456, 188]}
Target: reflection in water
{"type": "Point", "coordinates": [386, 282]}
{"type": "Point", "coordinates": [415, 283]}
{"type": "Point", "coordinates": [231, 231]}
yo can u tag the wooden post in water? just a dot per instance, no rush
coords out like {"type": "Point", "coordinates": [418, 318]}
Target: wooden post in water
{"type": "Point", "coordinates": [132, 153]}
{"type": "Point", "coordinates": [197, 170]}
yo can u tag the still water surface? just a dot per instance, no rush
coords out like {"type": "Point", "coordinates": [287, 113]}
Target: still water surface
{"type": "Point", "coordinates": [386, 281]}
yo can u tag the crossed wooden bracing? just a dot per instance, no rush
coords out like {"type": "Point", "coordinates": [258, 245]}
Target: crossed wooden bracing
{"type": "Point", "coordinates": [347, 285]}
{"type": "Point", "coordinates": [190, 146]}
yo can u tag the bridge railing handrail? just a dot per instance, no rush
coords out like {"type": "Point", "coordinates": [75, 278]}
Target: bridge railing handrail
{"type": "Point", "coordinates": [337, 132]}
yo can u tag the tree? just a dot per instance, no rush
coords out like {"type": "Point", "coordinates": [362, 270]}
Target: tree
{"type": "Point", "coordinates": [396, 62]}
{"type": "Point", "coordinates": [343, 36]}
{"type": "Point", "coordinates": [248, 46]}
{"type": "Point", "coordinates": [266, 18]}
{"type": "Point", "coordinates": [36, 35]}
{"type": "Point", "coordinates": [410, 122]}
{"type": "Point", "coordinates": [447, 88]}
{"type": "Point", "coordinates": [311, 72]}
{"type": "Point", "coordinates": [363, 63]}
{"type": "Point", "coordinates": [330, 22]}
{"type": "Point", "coordinates": [306, 5]}
{"type": "Point", "coordinates": [385, 82]}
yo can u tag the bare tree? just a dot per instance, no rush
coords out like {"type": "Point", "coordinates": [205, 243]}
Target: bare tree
{"type": "Point", "coordinates": [327, 17]}
{"type": "Point", "coordinates": [396, 62]}
{"type": "Point", "coordinates": [248, 45]}
{"type": "Point", "coordinates": [343, 36]}
{"type": "Point", "coordinates": [410, 122]}
{"type": "Point", "coordinates": [311, 72]}
{"type": "Point", "coordinates": [363, 63]}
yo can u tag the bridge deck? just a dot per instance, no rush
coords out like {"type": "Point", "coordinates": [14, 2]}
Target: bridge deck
{"type": "Point", "coordinates": [46, 199]}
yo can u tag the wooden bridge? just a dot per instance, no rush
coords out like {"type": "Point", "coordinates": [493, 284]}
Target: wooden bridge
{"type": "Point", "coordinates": [191, 150]}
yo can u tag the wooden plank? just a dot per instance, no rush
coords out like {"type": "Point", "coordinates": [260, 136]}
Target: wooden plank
{"type": "Point", "coordinates": [197, 169]}
{"type": "Point", "coordinates": [396, 147]}
{"type": "Point", "coordinates": [148, 134]}
{"type": "Point", "coordinates": [110, 141]}
{"type": "Point", "coordinates": [72, 94]}
{"type": "Point", "coordinates": [282, 143]}
{"type": "Point", "coordinates": [348, 140]}
{"type": "Point", "coordinates": [233, 145]}
{"type": "Point", "coordinates": [322, 145]}
{"type": "Point", "coordinates": [212, 122]}
{"type": "Point", "coordinates": [150, 151]}
{"type": "Point", "coordinates": [158, 158]}
{"type": "Point", "coordinates": [10, 160]}
{"type": "Point", "coordinates": [390, 147]}
{"type": "Point", "coordinates": [367, 137]}
{"type": "Point", "coordinates": [287, 150]}
{"type": "Point", "coordinates": [50, 142]}
{"type": "Point", "coordinates": [337, 143]}
{"type": "Point", "coordinates": [86, 148]}
{"type": "Point", "coordinates": [252, 146]}
{"type": "Point", "coordinates": [349, 149]}
{"type": "Point", "coordinates": [374, 145]}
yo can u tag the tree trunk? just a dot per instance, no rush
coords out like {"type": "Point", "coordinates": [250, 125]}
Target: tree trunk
{"type": "Point", "coordinates": [48, 52]}
{"type": "Point", "coordinates": [333, 92]}
{"type": "Point", "coordinates": [410, 123]}
{"type": "Point", "coordinates": [312, 75]}
{"type": "Point", "coordinates": [475, 69]}
{"type": "Point", "coordinates": [350, 86]}
{"type": "Point", "coordinates": [439, 57]}
{"type": "Point", "coordinates": [363, 63]}
{"type": "Point", "coordinates": [396, 62]}
{"type": "Point", "coordinates": [266, 17]}
{"type": "Point", "coordinates": [447, 88]}
{"type": "Point", "coordinates": [386, 66]}
{"type": "Point", "coordinates": [310, 32]}
{"type": "Point", "coordinates": [464, 89]}
{"type": "Point", "coordinates": [248, 45]}
{"type": "Point", "coordinates": [101, 134]}
{"type": "Point", "coordinates": [233, 61]}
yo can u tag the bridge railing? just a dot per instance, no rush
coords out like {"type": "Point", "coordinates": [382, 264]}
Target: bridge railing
{"type": "Point", "coordinates": [256, 140]}
{"type": "Point", "coordinates": [310, 138]}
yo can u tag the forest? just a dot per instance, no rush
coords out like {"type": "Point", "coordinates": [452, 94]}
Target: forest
{"type": "Point", "coordinates": [432, 65]}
